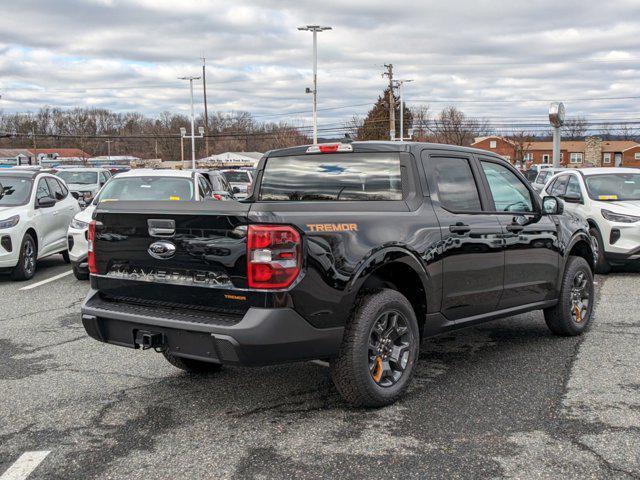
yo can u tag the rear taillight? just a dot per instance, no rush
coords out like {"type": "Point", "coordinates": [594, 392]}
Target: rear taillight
{"type": "Point", "coordinates": [217, 196]}
{"type": "Point", "coordinates": [91, 256]}
{"type": "Point", "coordinates": [273, 256]}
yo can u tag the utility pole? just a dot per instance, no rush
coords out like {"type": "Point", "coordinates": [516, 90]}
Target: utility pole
{"type": "Point", "coordinates": [392, 102]}
{"type": "Point", "coordinates": [399, 84]}
{"type": "Point", "coordinates": [315, 29]}
{"type": "Point", "coordinates": [206, 112]}
{"type": "Point", "coordinates": [193, 122]}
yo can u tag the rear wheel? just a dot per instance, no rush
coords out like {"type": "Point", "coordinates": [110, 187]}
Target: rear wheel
{"type": "Point", "coordinates": [602, 266]}
{"type": "Point", "coordinates": [26, 267]}
{"type": "Point", "coordinates": [379, 350]}
{"type": "Point", "coordinates": [192, 366]}
{"type": "Point", "coordinates": [572, 314]}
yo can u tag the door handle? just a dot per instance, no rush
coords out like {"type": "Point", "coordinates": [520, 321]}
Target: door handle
{"type": "Point", "coordinates": [459, 228]}
{"type": "Point", "coordinates": [514, 228]}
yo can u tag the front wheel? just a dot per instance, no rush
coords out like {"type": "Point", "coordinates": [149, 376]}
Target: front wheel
{"type": "Point", "coordinates": [26, 268]}
{"type": "Point", "coordinates": [572, 314]}
{"type": "Point", "coordinates": [379, 350]}
{"type": "Point", "coordinates": [602, 265]}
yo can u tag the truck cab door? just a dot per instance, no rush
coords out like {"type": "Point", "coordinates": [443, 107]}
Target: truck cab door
{"type": "Point", "coordinates": [532, 256]}
{"type": "Point", "coordinates": [471, 249]}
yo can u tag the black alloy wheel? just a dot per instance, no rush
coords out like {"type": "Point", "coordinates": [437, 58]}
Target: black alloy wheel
{"type": "Point", "coordinates": [389, 347]}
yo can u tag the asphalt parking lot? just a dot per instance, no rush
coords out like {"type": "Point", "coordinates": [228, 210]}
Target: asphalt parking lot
{"type": "Point", "coordinates": [506, 399]}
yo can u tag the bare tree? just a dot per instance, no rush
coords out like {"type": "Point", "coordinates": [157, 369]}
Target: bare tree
{"type": "Point", "coordinates": [454, 127]}
{"type": "Point", "coordinates": [575, 128]}
{"type": "Point", "coordinates": [522, 142]}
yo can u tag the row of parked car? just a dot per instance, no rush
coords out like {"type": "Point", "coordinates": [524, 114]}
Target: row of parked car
{"type": "Point", "coordinates": [47, 212]}
{"type": "Point", "coordinates": [609, 199]}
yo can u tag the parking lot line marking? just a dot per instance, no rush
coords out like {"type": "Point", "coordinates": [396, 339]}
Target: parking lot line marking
{"type": "Point", "coordinates": [56, 277]}
{"type": "Point", "coordinates": [26, 464]}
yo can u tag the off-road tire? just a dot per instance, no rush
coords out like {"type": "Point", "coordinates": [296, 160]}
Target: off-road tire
{"type": "Point", "coordinates": [559, 318]}
{"type": "Point", "coordinates": [20, 272]}
{"type": "Point", "coordinates": [602, 265]}
{"type": "Point", "coordinates": [350, 370]}
{"type": "Point", "coordinates": [192, 366]}
{"type": "Point", "coordinates": [80, 274]}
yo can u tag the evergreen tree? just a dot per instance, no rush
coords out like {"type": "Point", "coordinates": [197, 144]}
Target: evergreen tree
{"type": "Point", "coordinates": [376, 124]}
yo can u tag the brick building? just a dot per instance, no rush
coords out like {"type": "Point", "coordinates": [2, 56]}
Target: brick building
{"type": "Point", "coordinates": [593, 151]}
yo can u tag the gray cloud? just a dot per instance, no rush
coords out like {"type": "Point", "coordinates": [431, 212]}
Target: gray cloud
{"type": "Point", "coordinates": [127, 54]}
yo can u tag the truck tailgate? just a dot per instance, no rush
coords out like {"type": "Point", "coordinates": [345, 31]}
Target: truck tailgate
{"type": "Point", "coordinates": [185, 255]}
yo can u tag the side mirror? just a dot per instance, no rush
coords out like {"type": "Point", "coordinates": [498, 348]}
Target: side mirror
{"type": "Point", "coordinates": [235, 190]}
{"type": "Point", "coordinates": [552, 206]}
{"type": "Point", "coordinates": [572, 197]}
{"type": "Point", "coordinates": [46, 202]}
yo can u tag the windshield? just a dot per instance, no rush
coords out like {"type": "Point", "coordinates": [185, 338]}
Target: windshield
{"type": "Point", "coordinates": [15, 191]}
{"type": "Point", "coordinates": [349, 176]}
{"type": "Point", "coordinates": [147, 188]}
{"type": "Point", "coordinates": [81, 178]}
{"type": "Point", "coordinates": [614, 186]}
{"type": "Point", "coordinates": [237, 176]}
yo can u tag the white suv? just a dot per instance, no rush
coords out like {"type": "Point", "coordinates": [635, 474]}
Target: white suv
{"type": "Point", "coordinates": [35, 211]}
{"type": "Point", "coordinates": [609, 198]}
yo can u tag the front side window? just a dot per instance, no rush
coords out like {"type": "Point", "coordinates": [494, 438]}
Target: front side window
{"type": "Point", "coordinates": [559, 186]}
{"type": "Point", "coordinates": [508, 192]}
{"type": "Point", "coordinates": [14, 191]}
{"type": "Point", "coordinates": [573, 187]}
{"type": "Point", "coordinates": [147, 188]}
{"type": "Point", "coordinates": [457, 189]}
{"type": "Point", "coordinates": [332, 177]}
{"type": "Point", "coordinates": [614, 186]}
{"type": "Point", "coordinates": [43, 190]}
{"type": "Point", "coordinates": [55, 189]}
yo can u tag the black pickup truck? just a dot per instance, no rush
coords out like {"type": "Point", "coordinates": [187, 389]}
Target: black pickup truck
{"type": "Point", "coordinates": [349, 252]}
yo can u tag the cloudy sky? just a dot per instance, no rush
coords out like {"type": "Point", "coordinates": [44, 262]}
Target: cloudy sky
{"type": "Point", "coordinates": [495, 59]}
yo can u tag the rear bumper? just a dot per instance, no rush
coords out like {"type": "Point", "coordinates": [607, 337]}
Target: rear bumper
{"type": "Point", "coordinates": [263, 336]}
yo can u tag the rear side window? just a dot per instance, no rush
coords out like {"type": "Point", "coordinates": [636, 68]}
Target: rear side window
{"type": "Point", "coordinates": [342, 176]}
{"type": "Point", "coordinates": [457, 190]}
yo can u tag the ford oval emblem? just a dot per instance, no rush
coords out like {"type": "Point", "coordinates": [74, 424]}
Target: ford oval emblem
{"type": "Point", "coordinates": [162, 250]}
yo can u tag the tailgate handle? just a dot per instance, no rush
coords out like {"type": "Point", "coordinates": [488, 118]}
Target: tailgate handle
{"type": "Point", "coordinates": [159, 227]}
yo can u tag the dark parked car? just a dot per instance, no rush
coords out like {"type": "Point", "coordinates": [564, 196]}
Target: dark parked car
{"type": "Point", "coordinates": [222, 190]}
{"type": "Point", "coordinates": [351, 252]}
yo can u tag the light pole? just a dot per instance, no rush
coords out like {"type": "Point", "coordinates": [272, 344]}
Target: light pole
{"type": "Point", "coordinates": [183, 134]}
{"type": "Point", "coordinates": [108, 142]}
{"type": "Point", "coordinates": [314, 29]}
{"type": "Point", "coordinates": [193, 121]}
{"type": "Point", "coordinates": [398, 84]}
{"type": "Point", "coordinates": [556, 118]}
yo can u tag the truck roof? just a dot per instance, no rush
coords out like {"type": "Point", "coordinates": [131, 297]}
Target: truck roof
{"type": "Point", "coordinates": [383, 146]}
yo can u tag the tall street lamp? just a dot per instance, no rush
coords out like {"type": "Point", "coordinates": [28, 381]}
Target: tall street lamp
{"type": "Point", "coordinates": [193, 120]}
{"type": "Point", "coordinates": [399, 84]}
{"type": "Point", "coordinates": [556, 119]}
{"type": "Point", "coordinates": [314, 29]}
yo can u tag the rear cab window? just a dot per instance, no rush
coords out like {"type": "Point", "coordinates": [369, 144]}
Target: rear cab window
{"type": "Point", "coordinates": [148, 188]}
{"type": "Point", "coordinates": [333, 177]}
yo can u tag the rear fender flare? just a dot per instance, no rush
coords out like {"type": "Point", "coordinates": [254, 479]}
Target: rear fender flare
{"type": "Point", "coordinates": [383, 257]}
